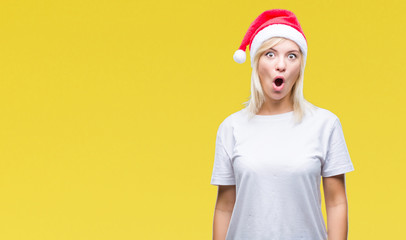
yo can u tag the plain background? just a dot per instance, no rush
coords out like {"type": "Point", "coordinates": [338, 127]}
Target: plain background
{"type": "Point", "coordinates": [109, 111]}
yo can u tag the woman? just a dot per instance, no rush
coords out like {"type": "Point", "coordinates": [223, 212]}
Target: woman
{"type": "Point", "coordinates": [271, 155]}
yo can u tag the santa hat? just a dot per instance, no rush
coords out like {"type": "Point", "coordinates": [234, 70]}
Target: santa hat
{"type": "Point", "coordinates": [271, 23]}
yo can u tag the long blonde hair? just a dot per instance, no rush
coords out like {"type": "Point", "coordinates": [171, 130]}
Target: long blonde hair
{"type": "Point", "coordinates": [300, 105]}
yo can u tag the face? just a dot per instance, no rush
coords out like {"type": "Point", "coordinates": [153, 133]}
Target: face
{"type": "Point", "coordinates": [278, 70]}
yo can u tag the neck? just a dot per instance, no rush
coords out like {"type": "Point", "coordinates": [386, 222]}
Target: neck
{"type": "Point", "coordinates": [272, 106]}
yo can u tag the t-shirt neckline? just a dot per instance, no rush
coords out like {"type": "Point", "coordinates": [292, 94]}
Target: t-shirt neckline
{"type": "Point", "coordinates": [285, 115]}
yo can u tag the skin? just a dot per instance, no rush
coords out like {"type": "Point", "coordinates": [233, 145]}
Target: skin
{"type": "Point", "coordinates": [336, 207]}
{"type": "Point", "coordinates": [226, 196]}
{"type": "Point", "coordinates": [284, 59]}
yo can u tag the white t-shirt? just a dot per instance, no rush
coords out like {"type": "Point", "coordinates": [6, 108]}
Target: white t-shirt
{"type": "Point", "coordinates": [277, 168]}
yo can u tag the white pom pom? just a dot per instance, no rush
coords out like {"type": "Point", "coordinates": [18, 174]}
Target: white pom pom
{"type": "Point", "coordinates": [239, 56]}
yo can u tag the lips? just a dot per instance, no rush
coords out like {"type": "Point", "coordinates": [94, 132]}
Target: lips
{"type": "Point", "coordinates": [278, 83]}
{"type": "Point", "coordinates": [278, 80]}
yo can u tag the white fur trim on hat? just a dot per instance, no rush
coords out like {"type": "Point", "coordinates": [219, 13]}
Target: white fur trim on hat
{"type": "Point", "coordinates": [278, 30]}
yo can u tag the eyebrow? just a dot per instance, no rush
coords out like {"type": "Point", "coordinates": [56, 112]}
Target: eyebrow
{"type": "Point", "coordinates": [288, 51]}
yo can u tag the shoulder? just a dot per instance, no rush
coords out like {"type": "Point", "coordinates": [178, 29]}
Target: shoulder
{"type": "Point", "coordinates": [234, 117]}
{"type": "Point", "coordinates": [228, 124]}
{"type": "Point", "coordinates": [325, 114]}
{"type": "Point", "coordinates": [324, 117]}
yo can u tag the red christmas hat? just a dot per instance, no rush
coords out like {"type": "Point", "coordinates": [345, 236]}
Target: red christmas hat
{"type": "Point", "coordinates": [271, 23]}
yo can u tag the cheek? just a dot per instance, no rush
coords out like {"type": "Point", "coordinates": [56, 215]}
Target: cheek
{"type": "Point", "coordinates": [295, 72]}
{"type": "Point", "coordinates": [263, 76]}
{"type": "Point", "coordinates": [260, 71]}
{"type": "Point", "coordinates": [263, 72]}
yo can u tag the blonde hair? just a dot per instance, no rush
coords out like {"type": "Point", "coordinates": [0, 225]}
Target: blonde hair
{"type": "Point", "coordinates": [300, 105]}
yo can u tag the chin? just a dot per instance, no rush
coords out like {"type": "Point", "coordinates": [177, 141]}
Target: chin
{"type": "Point", "coordinates": [276, 98]}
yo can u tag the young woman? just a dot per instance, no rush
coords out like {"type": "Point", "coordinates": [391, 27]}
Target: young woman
{"type": "Point", "coordinates": [271, 155]}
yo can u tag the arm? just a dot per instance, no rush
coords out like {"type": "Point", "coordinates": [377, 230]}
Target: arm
{"type": "Point", "coordinates": [336, 206]}
{"type": "Point", "coordinates": [224, 208]}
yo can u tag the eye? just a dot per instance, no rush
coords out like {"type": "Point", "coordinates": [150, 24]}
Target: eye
{"type": "Point", "coordinates": [292, 54]}
{"type": "Point", "coordinates": [270, 54]}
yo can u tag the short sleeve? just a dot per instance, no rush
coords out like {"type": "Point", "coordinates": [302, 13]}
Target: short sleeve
{"type": "Point", "coordinates": [223, 173]}
{"type": "Point", "coordinates": [337, 159]}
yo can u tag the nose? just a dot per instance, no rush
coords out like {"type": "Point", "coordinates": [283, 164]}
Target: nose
{"type": "Point", "coordinates": [281, 65]}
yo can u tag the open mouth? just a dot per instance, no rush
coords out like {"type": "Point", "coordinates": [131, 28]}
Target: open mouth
{"type": "Point", "coordinates": [278, 81]}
